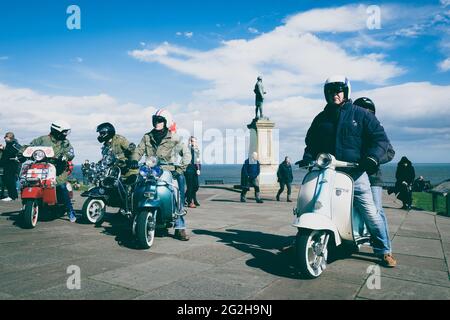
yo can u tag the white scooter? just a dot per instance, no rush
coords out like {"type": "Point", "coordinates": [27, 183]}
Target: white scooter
{"type": "Point", "coordinates": [325, 218]}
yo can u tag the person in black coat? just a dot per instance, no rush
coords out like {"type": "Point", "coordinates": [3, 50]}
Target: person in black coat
{"type": "Point", "coordinates": [10, 166]}
{"type": "Point", "coordinates": [405, 176]}
{"type": "Point", "coordinates": [285, 178]}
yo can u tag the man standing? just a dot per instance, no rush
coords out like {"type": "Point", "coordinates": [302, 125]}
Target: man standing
{"type": "Point", "coordinates": [249, 177]}
{"type": "Point", "coordinates": [285, 178]}
{"type": "Point", "coordinates": [259, 100]}
{"type": "Point", "coordinates": [352, 134]}
{"type": "Point", "coordinates": [85, 169]}
{"type": "Point", "coordinates": [192, 173]}
{"type": "Point", "coordinates": [10, 166]}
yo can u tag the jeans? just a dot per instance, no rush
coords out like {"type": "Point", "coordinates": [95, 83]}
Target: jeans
{"type": "Point", "coordinates": [364, 203]}
{"type": "Point", "coordinates": [377, 193]}
{"type": "Point", "coordinates": [66, 197]}
{"type": "Point", "coordinates": [180, 224]}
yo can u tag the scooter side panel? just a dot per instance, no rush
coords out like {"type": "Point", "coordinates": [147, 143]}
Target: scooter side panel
{"type": "Point", "coordinates": [306, 199]}
{"type": "Point", "coordinates": [342, 203]}
{"type": "Point", "coordinates": [166, 203]}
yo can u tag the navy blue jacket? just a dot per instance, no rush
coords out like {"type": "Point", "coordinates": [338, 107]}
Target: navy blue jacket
{"type": "Point", "coordinates": [352, 135]}
{"type": "Point", "coordinates": [251, 170]}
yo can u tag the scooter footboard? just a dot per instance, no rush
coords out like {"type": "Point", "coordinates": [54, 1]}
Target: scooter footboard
{"type": "Point", "coordinates": [314, 221]}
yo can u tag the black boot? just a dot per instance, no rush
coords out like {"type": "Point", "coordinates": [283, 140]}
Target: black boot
{"type": "Point", "coordinates": [243, 198]}
{"type": "Point", "coordinates": [278, 196]}
{"type": "Point", "coordinates": [196, 202]}
{"type": "Point", "coordinates": [289, 198]}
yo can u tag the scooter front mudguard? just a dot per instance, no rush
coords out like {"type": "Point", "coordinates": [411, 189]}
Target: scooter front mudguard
{"type": "Point", "coordinates": [149, 203]}
{"type": "Point", "coordinates": [94, 193]}
{"type": "Point", "coordinates": [314, 221]}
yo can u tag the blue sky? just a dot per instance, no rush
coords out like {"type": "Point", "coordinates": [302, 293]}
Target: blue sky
{"type": "Point", "coordinates": [200, 58]}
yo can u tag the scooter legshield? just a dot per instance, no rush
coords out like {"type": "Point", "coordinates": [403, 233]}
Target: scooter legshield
{"type": "Point", "coordinates": [314, 221]}
{"type": "Point", "coordinates": [32, 193]}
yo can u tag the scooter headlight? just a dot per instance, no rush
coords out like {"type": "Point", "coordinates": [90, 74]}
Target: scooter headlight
{"type": "Point", "coordinates": [324, 160]}
{"type": "Point", "coordinates": [157, 172]}
{"type": "Point", "coordinates": [39, 155]}
{"type": "Point", "coordinates": [144, 171]}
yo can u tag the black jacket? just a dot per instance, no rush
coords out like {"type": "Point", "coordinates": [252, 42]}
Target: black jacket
{"type": "Point", "coordinates": [11, 150]}
{"type": "Point", "coordinates": [284, 173]}
{"type": "Point", "coordinates": [350, 133]}
{"type": "Point", "coordinates": [405, 173]}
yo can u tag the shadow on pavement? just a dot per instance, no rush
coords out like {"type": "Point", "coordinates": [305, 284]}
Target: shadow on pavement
{"type": "Point", "coordinates": [261, 246]}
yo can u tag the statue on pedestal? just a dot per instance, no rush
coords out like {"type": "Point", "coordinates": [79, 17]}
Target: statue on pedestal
{"type": "Point", "coordinates": [259, 99]}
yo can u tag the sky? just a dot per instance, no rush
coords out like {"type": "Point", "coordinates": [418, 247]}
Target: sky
{"type": "Point", "coordinates": [200, 60]}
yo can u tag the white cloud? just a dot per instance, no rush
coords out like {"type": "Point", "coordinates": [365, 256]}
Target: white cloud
{"type": "Point", "coordinates": [79, 59]}
{"type": "Point", "coordinates": [444, 65]}
{"type": "Point", "coordinates": [33, 113]}
{"type": "Point", "coordinates": [445, 3]}
{"type": "Point", "coordinates": [253, 30]}
{"type": "Point", "coordinates": [185, 34]}
{"type": "Point", "coordinates": [293, 61]}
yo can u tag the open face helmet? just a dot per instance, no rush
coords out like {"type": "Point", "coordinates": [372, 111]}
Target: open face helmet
{"type": "Point", "coordinates": [336, 84]}
{"type": "Point", "coordinates": [60, 129]}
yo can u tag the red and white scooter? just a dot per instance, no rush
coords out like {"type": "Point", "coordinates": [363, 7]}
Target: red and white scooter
{"type": "Point", "coordinates": [38, 185]}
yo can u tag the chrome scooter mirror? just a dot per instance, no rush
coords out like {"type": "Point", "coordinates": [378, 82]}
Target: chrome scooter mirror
{"type": "Point", "coordinates": [324, 160]}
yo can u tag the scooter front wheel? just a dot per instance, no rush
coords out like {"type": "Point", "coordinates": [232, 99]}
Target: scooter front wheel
{"type": "Point", "coordinates": [30, 214]}
{"type": "Point", "coordinates": [93, 210]}
{"type": "Point", "coordinates": [311, 252]}
{"type": "Point", "coordinates": [145, 228]}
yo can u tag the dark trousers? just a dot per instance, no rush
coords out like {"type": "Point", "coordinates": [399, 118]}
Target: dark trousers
{"type": "Point", "coordinates": [192, 187]}
{"type": "Point", "coordinates": [10, 183]}
{"type": "Point", "coordinates": [282, 185]}
{"type": "Point", "coordinates": [251, 183]}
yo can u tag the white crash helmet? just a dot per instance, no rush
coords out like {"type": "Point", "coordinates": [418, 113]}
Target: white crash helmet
{"type": "Point", "coordinates": [166, 116]}
{"type": "Point", "coordinates": [335, 84]}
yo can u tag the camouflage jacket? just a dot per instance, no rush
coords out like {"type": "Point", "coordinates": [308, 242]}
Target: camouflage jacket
{"type": "Point", "coordinates": [119, 146]}
{"type": "Point", "coordinates": [168, 151]}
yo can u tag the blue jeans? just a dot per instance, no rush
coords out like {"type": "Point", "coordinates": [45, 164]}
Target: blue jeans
{"type": "Point", "coordinates": [377, 193]}
{"type": "Point", "coordinates": [180, 224]}
{"type": "Point", "coordinates": [364, 203]}
{"type": "Point", "coordinates": [67, 200]}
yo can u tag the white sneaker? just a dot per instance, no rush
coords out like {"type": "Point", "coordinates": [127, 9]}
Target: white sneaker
{"type": "Point", "coordinates": [7, 199]}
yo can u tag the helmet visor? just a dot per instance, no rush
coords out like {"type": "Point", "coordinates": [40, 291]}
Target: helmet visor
{"type": "Point", "coordinates": [334, 88]}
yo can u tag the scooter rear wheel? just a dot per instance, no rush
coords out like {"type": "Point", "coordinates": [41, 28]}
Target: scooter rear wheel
{"type": "Point", "coordinates": [311, 253]}
{"type": "Point", "coordinates": [30, 214]}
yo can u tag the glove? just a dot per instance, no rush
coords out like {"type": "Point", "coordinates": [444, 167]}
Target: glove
{"type": "Point", "coordinates": [368, 165]}
{"type": "Point", "coordinates": [133, 164]}
{"type": "Point", "coordinates": [303, 163]}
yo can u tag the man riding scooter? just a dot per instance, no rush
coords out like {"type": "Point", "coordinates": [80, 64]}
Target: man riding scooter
{"type": "Point", "coordinates": [352, 134]}
{"type": "Point", "coordinates": [57, 139]}
{"type": "Point", "coordinates": [119, 146]}
{"type": "Point", "coordinates": [162, 142]}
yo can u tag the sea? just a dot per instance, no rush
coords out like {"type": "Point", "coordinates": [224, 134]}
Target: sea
{"type": "Point", "coordinates": [230, 174]}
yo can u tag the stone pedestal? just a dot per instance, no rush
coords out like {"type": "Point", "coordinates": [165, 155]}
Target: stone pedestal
{"type": "Point", "coordinates": [262, 141]}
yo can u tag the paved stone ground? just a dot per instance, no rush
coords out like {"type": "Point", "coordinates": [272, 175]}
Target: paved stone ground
{"type": "Point", "coordinates": [237, 251]}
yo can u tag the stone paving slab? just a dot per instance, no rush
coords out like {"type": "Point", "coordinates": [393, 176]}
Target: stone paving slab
{"type": "Point", "coordinates": [153, 274]}
{"type": "Point", "coordinates": [418, 247]}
